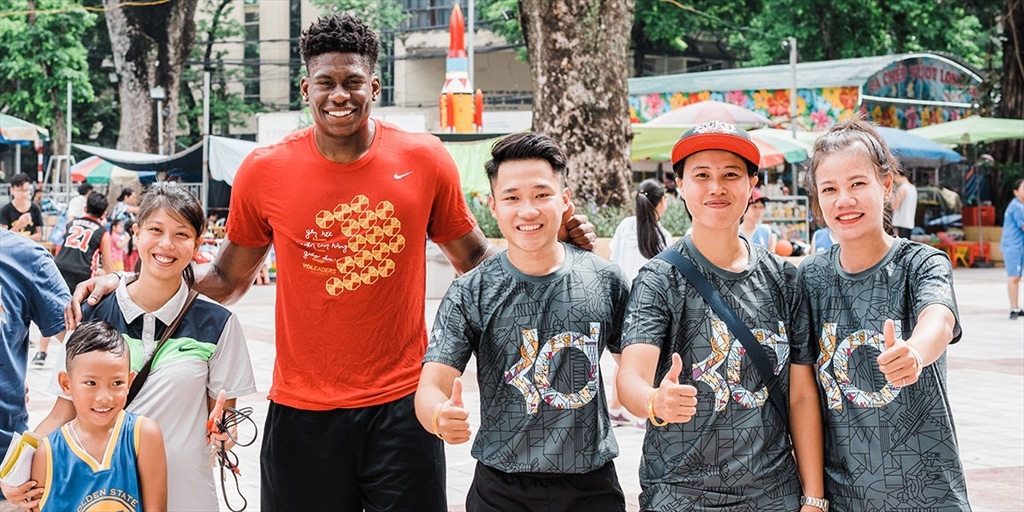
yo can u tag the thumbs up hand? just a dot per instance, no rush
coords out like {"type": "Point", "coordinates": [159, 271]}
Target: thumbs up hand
{"type": "Point", "coordinates": [452, 423]}
{"type": "Point", "coordinates": [899, 361]}
{"type": "Point", "coordinates": [671, 401]}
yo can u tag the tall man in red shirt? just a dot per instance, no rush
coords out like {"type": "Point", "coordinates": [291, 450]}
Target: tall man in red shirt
{"type": "Point", "coordinates": [348, 204]}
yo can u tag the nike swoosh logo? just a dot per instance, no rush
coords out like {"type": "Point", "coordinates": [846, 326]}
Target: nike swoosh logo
{"type": "Point", "coordinates": [400, 176]}
{"type": "Point", "coordinates": [186, 348]}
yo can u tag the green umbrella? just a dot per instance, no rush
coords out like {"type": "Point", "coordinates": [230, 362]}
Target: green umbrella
{"type": "Point", "coordinates": [970, 130]}
{"type": "Point", "coordinates": [13, 129]}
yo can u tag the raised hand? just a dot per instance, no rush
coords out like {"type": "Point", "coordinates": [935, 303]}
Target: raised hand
{"type": "Point", "coordinates": [452, 417]}
{"type": "Point", "coordinates": [577, 229]}
{"type": "Point", "coordinates": [899, 362]}
{"type": "Point", "coordinates": [672, 401]}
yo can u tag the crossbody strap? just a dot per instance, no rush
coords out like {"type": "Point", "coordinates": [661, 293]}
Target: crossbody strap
{"type": "Point", "coordinates": [739, 329]}
{"type": "Point", "coordinates": [140, 378]}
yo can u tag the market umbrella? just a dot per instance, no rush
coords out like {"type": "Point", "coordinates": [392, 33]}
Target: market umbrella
{"type": "Point", "coordinates": [655, 143]}
{"type": "Point", "coordinates": [97, 171]}
{"type": "Point", "coordinates": [972, 129]}
{"type": "Point", "coordinates": [13, 129]}
{"type": "Point", "coordinates": [916, 151]}
{"type": "Point", "coordinates": [697, 113]}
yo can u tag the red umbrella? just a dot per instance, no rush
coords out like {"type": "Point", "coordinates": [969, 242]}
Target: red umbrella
{"type": "Point", "coordinates": [697, 113]}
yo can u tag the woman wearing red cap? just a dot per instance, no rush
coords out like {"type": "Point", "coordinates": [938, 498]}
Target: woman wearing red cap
{"type": "Point", "coordinates": [716, 437]}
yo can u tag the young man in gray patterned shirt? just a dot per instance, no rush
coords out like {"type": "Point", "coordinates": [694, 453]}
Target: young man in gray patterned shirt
{"type": "Point", "coordinates": [537, 317]}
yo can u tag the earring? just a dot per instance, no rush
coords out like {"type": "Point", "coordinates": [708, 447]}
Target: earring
{"type": "Point", "coordinates": [305, 98]}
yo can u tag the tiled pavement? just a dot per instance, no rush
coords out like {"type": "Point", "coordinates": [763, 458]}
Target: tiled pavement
{"type": "Point", "coordinates": [986, 382]}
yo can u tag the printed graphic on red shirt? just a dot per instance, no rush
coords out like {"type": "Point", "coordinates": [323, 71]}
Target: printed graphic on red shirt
{"type": "Point", "coordinates": [370, 234]}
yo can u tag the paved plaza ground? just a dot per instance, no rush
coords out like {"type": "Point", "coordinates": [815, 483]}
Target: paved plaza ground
{"type": "Point", "coordinates": [986, 383]}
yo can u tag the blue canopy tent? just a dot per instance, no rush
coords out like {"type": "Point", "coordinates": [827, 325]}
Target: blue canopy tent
{"type": "Point", "coordinates": [915, 151]}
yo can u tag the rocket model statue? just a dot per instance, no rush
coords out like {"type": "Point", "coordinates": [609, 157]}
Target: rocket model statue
{"type": "Point", "coordinates": [462, 111]}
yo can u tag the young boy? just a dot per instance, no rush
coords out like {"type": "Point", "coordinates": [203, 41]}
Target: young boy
{"type": "Point", "coordinates": [537, 317]}
{"type": "Point", "coordinates": [105, 454]}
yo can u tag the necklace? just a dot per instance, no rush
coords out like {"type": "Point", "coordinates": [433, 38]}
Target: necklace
{"type": "Point", "coordinates": [78, 441]}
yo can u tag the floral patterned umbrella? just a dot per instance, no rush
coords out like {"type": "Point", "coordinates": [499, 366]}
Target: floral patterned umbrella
{"type": "Point", "coordinates": [697, 113]}
{"type": "Point", "coordinates": [97, 170]}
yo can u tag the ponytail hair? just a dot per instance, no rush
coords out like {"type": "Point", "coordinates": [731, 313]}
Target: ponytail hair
{"type": "Point", "coordinates": [650, 239]}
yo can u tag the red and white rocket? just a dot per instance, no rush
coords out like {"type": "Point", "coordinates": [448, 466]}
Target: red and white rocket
{"type": "Point", "coordinates": [462, 110]}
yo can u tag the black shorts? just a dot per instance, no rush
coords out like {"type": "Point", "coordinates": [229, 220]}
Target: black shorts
{"type": "Point", "coordinates": [375, 458]}
{"type": "Point", "coordinates": [497, 491]}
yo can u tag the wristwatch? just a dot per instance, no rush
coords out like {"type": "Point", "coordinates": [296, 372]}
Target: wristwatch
{"type": "Point", "coordinates": [821, 503]}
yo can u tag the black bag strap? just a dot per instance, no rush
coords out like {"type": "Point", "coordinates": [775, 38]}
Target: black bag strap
{"type": "Point", "coordinates": [140, 378]}
{"type": "Point", "coordinates": [739, 329]}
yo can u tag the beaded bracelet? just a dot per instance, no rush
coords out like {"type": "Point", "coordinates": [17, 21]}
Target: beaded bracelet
{"type": "Point", "coordinates": [650, 411]}
{"type": "Point", "coordinates": [437, 412]}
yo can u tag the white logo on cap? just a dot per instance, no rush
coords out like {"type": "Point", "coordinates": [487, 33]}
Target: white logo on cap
{"type": "Point", "coordinates": [715, 127]}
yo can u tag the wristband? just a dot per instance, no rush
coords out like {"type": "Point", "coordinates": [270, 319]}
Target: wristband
{"type": "Point", "coordinates": [917, 359]}
{"type": "Point", "coordinates": [437, 412]}
{"type": "Point", "coordinates": [650, 411]}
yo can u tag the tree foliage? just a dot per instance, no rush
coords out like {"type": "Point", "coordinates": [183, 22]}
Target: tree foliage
{"type": "Point", "coordinates": [42, 53]}
{"type": "Point", "coordinates": [228, 105]}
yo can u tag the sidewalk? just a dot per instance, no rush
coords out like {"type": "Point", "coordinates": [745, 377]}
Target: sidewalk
{"type": "Point", "coordinates": [986, 383]}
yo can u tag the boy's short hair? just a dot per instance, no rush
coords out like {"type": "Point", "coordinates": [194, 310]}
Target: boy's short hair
{"type": "Point", "coordinates": [19, 179]}
{"type": "Point", "coordinates": [94, 336]}
{"type": "Point", "coordinates": [716, 135]}
{"type": "Point", "coordinates": [96, 205]}
{"type": "Point", "coordinates": [527, 146]}
{"type": "Point", "coordinates": [340, 33]}
{"type": "Point", "coordinates": [84, 189]}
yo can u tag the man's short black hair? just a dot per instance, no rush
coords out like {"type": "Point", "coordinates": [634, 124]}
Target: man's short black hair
{"type": "Point", "coordinates": [340, 33]}
{"type": "Point", "coordinates": [527, 146]}
{"type": "Point", "coordinates": [96, 205]}
{"type": "Point", "coordinates": [84, 189]}
{"type": "Point", "coordinates": [20, 179]}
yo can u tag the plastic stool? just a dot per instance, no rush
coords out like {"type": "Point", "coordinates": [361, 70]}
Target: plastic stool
{"type": "Point", "coordinates": [962, 253]}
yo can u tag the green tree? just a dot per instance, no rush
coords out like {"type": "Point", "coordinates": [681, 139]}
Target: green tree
{"type": "Point", "coordinates": [150, 43]}
{"type": "Point", "coordinates": [42, 53]}
{"type": "Point", "coordinates": [228, 105]}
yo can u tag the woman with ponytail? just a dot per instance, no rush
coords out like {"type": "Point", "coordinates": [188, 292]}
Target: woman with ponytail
{"type": "Point", "coordinates": [636, 240]}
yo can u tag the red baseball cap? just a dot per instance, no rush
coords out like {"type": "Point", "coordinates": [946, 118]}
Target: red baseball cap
{"type": "Point", "coordinates": [717, 135]}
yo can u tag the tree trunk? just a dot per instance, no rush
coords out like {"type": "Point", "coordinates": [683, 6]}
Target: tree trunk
{"type": "Point", "coordinates": [579, 59]}
{"type": "Point", "coordinates": [1011, 103]}
{"type": "Point", "coordinates": [150, 45]}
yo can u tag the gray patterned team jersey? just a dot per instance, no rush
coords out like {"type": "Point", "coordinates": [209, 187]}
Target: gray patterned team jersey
{"type": "Point", "coordinates": [538, 342]}
{"type": "Point", "coordinates": [735, 453]}
{"type": "Point", "coordinates": [886, 448]}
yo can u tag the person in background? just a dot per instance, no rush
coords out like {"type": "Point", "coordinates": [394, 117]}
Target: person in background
{"type": "Point", "coordinates": [86, 245]}
{"type": "Point", "coordinates": [751, 226]}
{"type": "Point", "coordinates": [636, 240]}
{"type": "Point", "coordinates": [31, 291]}
{"type": "Point", "coordinates": [21, 215]}
{"type": "Point", "coordinates": [118, 243]}
{"type": "Point", "coordinates": [904, 205]}
{"type": "Point", "coordinates": [822, 240]}
{"type": "Point", "coordinates": [76, 206]}
{"type": "Point", "coordinates": [884, 311]}
{"type": "Point", "coordinates": [715, 439]}
{"type": "Point", "coordinates": [1012, 246]}
{"type": "Point", "coordinates": [522, 315]}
